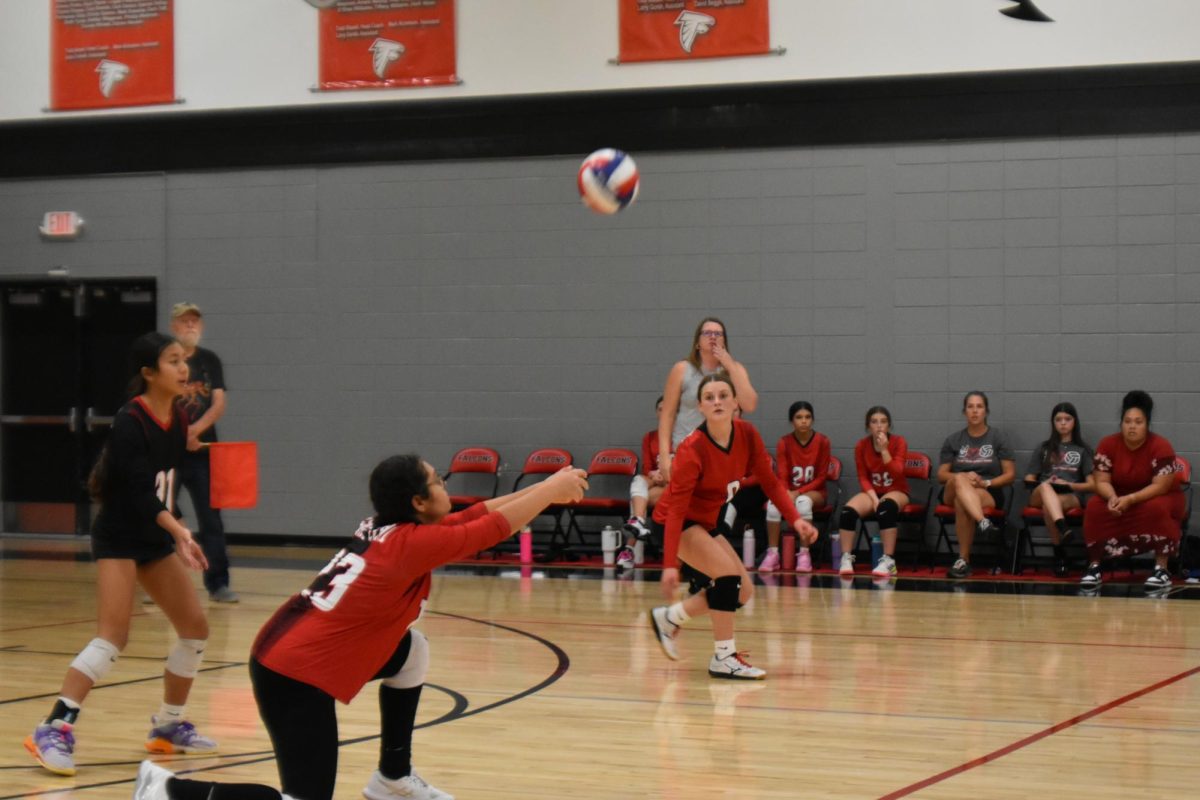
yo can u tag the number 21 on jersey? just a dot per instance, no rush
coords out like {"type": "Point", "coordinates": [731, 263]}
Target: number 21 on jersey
{"type": "Point", "coordinates": [164, 487]}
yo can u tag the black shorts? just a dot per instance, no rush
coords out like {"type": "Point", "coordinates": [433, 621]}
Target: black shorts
{"type": "Point", "coordinates": [658, 530]}
{"type": "Point", "coordinates": [997, 496]}
{"type": "Point", "coordinates": [140, 551]}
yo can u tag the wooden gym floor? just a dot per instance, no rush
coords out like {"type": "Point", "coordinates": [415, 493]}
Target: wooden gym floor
{"type": "Point", "coordinates": [550, 685]}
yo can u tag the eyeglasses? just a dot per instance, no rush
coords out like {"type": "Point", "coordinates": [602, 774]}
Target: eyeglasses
{"type": "Point", "coordinates": [712, 334]}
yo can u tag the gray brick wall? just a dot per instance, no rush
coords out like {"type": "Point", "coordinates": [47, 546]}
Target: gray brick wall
{"type": "Point", "coordinates": [366, 310]}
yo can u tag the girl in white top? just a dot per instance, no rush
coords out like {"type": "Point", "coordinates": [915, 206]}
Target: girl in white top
{"type": "Point", "coordinates": [681, 415]}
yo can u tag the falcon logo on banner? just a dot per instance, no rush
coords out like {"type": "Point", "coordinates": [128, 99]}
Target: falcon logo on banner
{"type": "Point", "coordinates": [652, 30]}
{"type": "Point", "coordinates": [111, 53]}
{"type": "Point", "coordinates": [371, 44]}
{"type": "Point", "coordinates": [692, 24]}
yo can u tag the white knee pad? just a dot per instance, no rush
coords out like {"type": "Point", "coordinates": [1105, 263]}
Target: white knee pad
{"type": "Point", "coordinates": [96, 659]}
{"type": "Point", "coordinates": [640, 487]}
{"type": "Point", "coordinates": [804, 507]}
{"type": "Point", "coordinates": [185, 657]}
{"type": "Point", "coordinates": [773, 514]}
{"type": "Point", "coordinates": [412, 674]}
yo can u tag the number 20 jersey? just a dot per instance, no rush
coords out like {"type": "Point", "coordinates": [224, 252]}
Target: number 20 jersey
{"type": "Point", "coordinates": [337, 634]}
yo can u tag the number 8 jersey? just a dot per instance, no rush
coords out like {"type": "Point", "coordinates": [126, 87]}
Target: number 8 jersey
{"type": "Point", "coordinates": [706, 476]}
{"type": "Point", "coordinates": [338, 633]}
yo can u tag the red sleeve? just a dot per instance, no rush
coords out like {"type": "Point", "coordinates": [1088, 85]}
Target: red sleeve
{"type": "Point", "coordinates": [760, 467]}
{"type": "Point", "coordinates": [431, 546]}
{"type": "Point", "coordinates": [649, 452]}
{"type": "Point", "coordinates": [465, 515]}
{"type": "Point", "coordinates": [899, 451]}
{"type": "Point", "coordinates": [685, 472]}
{"type": "Point", "coordinates": [1162, 458]}
{"type": "Point", "coordinates": [861, 466]}
{"type": "Point", "coordinates": [782, 468]}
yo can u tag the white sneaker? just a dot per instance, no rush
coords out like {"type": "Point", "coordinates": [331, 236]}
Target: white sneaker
{"type": "Point", "coordinates": [410, 786]}
{"type": "Point", "coordinates": [151, 782]}
{"type": "Point", "coordinates": [735, 667]}
{"type": "Point", "coordinates": [665, 631]}
{"type": "Point", "coordinates": [847, 567]}
{"type": "Point", "coordinates": [886, 567]}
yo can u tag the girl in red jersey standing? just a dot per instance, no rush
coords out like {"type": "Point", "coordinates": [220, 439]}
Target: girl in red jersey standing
{"type": "Point", "coordinates": [802, 464]}
{"type": "Point", "coordinates": [708, 467]}
{"type": "Point", "coordinates": [353, 624]}
{"type": "Point", "coordinates": [879, 459]}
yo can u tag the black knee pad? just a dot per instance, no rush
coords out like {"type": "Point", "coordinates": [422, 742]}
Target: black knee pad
{"type": "Point", "coordinates": [723, 594]}
{"type": "Point", "coordinates": [849, 519]}
{"type": "Point", "coordinates": [887, 514]}
{"type": "Point", "coordinates": [697, 581]}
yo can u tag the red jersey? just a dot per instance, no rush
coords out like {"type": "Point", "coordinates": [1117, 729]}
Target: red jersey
{"type": "Point", "coordinates": [705, 476]}
{"type": "Point", "coordinates": [874, 474]}
{"type": "Point", "coordinates": [803, 467]}
{"type": "Point", "coordinates": [341, 630]}
{"type": "Point", "coordinates": [650, 452]}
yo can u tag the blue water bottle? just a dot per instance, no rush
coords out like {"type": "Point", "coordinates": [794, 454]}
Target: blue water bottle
{"type": "Point", "coordinates": [835, 550]}
{"type": "Point", "coordinates": [876, 549]}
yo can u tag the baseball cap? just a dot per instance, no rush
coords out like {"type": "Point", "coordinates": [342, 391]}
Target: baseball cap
{"type": "Point", "coordinates": [179, 309]}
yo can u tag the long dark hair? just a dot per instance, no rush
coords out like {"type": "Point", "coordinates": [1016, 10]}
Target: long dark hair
{"type": "Point", "coordinates": [143, 353]}
{"type": "Point", "coordinates": [1049, 448]}
{"type": "Point", "coordinates": [394, 483]}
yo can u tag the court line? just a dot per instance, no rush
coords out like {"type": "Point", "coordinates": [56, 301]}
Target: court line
{"type": "Point", "coordinates": [459, 711]}
{"type": "Point", "coordinates": [801, 632]}
{"type": "Point", "coordinates": [156, 677]}
{"type": "Point", "coordinates": [1037, 737]}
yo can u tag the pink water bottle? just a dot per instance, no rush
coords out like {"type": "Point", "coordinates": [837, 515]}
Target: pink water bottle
{"type": "Point", "coordinates": [526, 542]}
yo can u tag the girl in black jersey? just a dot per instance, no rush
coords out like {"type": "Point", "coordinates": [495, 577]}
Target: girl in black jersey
{"type": "Point", "coordinates": [136, 538]}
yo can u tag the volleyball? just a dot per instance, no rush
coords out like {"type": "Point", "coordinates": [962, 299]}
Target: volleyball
{"type": "Point", "coordinates": [608, 181]}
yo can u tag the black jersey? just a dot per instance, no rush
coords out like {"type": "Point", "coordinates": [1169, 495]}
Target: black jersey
{"type": "Point", "coordinates": [144, 453]}
{"type": "Point", "coordinates": [205, 375]}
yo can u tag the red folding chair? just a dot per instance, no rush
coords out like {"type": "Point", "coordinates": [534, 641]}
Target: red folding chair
{"type": "Point", "coordinates": [539, 465]}
{"type": "Point", "coordinates": [609, 474]}
{"type": "Point", "coordinates": [997, 515]}
{"type": "Point", "coordinates": [918, 469]}
{"type": "Point", "coordinates": [474, 476]}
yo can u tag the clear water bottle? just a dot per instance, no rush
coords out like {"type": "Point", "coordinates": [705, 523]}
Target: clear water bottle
{"type": "Point", "coordinates": [876, 549]}
{"type": "Point", "coordinates": [748, 551]}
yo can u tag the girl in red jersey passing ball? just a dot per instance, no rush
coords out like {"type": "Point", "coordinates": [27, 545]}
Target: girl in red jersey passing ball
{"type": "Point", "coordinates": [353, 624]}
{"type": "Point", "coordinates": [879, 459]}
{"type": "Point", "coordinates": [708, 466]}
{"type": "Point", "coordinates": [802, 464]}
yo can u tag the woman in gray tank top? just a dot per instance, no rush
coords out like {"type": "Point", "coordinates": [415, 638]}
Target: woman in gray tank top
{"type": "Point", "coordinates": [681, 414]}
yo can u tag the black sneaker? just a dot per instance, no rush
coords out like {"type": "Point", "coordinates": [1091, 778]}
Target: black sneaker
{"type": "Point", "coordinates": [961, 569]}
{"type": "Point", "coordinates": [1159, 579]}
{"type": "Point", "coordinates": [1060, 562]}
{"type": "Point", "coordinates": [1092, 577]}
{"type": "Point", "coordinates": [983, 527]}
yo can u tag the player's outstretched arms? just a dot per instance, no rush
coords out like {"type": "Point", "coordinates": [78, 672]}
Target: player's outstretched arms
{"type": "Point", "coordinates": [565, 486]}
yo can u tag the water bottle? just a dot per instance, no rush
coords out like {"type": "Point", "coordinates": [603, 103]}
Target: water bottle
{"type": "Point", "coordinates": [748, 548]}
{"type": "Point", "coordinates": [876, 549]}
{"type": "Point", "coordinates": [526, 543]}
{"type": "Point", "coordinates": [608, 544]}
{"type": "Point", "coordinates": [835, 549]}
{"type": "Point", "coordinates": [639, 552]}
{"type": "Point", "coordinates": [789, 551]}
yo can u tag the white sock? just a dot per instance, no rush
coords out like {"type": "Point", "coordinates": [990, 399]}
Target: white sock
{"type": "Point", "coordinates": [168, 713]}
{"type": "Point", "coordinates": [772, 549]}
{"type": "Point", "coordinates": [676, 615]}
{"type": "Point", "coordinates": [803, 549]}
{"type": "Point", "coordinates": [69, 703]}
{"type": "Point", "coordinates": [724, 648]}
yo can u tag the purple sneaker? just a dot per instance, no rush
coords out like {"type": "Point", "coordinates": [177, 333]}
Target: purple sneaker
{"type": "Point", "coordinates": [177, 737]}
{"type": "Point", "coordinates": [53, 745]}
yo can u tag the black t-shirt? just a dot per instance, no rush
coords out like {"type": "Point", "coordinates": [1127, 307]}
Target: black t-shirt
{"type": "Point", "coordinates": [141, 479]}
{"type": "Point", "coordinates": [204, 375]}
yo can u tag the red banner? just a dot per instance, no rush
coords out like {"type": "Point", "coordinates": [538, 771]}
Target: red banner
{"type": "Point", "coordinates": [107, 53]}
{"type": "Point", "coordinates": [664, 30]}
{"type": "Point", "coordinates": [368, 44]}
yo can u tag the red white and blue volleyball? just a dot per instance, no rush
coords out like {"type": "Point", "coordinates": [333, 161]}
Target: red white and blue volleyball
{"type": "Point", "coordinates": [608, 181]}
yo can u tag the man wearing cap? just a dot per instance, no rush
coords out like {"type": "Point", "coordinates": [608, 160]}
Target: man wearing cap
{"type": "Point", "coordinates": [204, 403]}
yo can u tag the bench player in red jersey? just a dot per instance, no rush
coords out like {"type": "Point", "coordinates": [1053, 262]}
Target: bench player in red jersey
{"type": "Point", "coordinates": [708, 466]}
{"type": "Point", "coordinates": [353, 624]}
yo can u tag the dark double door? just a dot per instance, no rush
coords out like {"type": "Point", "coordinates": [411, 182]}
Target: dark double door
{"type": "Point", "coordinates": [64, 348]}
